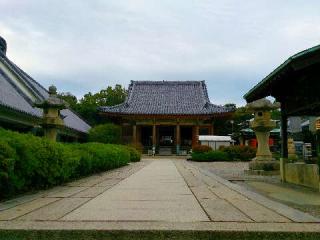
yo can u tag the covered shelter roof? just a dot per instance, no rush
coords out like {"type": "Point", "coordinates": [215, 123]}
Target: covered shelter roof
{"type": "Point", "coordinates": [167, 98]}
{"type": "Point", "coordinates": [295, 84]}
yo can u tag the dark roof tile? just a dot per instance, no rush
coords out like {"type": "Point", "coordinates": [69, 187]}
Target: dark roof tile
{"type": "Point", "coordinates": [167, 97]}
{"type": "Point", "coordinates": [12, 97]}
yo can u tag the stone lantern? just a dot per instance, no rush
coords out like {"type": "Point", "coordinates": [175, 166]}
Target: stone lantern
{"type": "Point", "coordinates": [52, 120]}
{"type": "Point", "coordinates": [262, 125]}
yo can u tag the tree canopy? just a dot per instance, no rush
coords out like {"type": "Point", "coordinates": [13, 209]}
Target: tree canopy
{"type": "Point", "coordinates": [87, 106]}
{"type": "Point", "coordinates": [238, 121]}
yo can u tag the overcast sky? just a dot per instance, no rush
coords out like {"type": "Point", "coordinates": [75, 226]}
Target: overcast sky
{"type": "Point", "coordinates": [83, 46]}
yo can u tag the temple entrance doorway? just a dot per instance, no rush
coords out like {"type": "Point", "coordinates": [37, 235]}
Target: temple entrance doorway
{"type": "Point", "coordinates": [186, 138]}
{"type": "Point", "coordinates": [146, 136]}
{"type": "Point", "coordinates": [166, 140]}
{"type": "Point", "coordinates": [166, 136]}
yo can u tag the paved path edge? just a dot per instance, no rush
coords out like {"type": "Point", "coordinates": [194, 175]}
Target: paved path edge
{"type": "Point", "coordinates": [291, 213]}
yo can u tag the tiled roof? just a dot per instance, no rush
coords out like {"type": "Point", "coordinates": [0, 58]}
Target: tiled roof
{"type": "Point", "coordinates": [167, 97]}
{"type": "Point", "coordinates": [11, 96]}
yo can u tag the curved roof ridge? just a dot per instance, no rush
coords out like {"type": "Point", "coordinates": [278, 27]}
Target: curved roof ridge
{"type": "Point", "coordinates": [166, 97]}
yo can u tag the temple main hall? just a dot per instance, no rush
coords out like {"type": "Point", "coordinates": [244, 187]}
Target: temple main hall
{"type": "Point", "coordinates": [166, 117]}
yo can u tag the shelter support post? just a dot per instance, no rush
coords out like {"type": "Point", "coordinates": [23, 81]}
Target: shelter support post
{"type": "Point", "coordinates": [284, 144]}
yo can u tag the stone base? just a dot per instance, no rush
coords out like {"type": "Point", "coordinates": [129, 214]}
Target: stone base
{"type": "Point", "coordinates": [264, 165]}
{"type": "Point", "coordinates": [262, 172]}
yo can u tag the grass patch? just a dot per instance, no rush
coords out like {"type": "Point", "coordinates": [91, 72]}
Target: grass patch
{"type": "Point", "coordinates": [147, 235]}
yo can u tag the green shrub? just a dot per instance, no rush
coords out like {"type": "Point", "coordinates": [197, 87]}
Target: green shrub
{"type": "Point", "coordinates": [28, 162]}
{"type": "Point", "coordinates": [105, 133]}
{"type": "Point", "coordinates": [201, 149]}
{"type": "Point", "coordinates": [239, 153]}
{"type": "Point", "coordinates": [7, 160]}
{"type": "Point", "coordinates": [211, 156]}
{"type": "Point", "coordinates": [135, 155]}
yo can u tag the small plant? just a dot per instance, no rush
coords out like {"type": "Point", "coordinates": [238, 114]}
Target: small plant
{"type": "Point", "coordinates": [210, 156]}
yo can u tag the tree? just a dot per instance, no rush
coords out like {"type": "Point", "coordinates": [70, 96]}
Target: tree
{"type": "Point", "coordinates": [105, 133]}
{"type": "Point", "coordinates": [70, 99]}
{"type": "Point", "coordinates": [87, 106]}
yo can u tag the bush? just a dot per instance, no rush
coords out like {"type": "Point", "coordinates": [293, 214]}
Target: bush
{"type": "Point", "coordinates": [105, 133]}
{"type": "Point", "coordinates": [135, 155]}
{"type": "Point", "coordinates": [28, 162]}
{"type": "Point", "coordinates": [211, 156]}
{"type": "Point", "coordinates": [239, 153]}
{"type": "Point", "coordinates": [201, 149]}
{"type": "Point", "coordinates": [7, 158]}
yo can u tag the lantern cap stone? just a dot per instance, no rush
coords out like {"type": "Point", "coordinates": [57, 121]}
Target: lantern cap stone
{"type": "Point", "coordinates": [262, 104]}
{"type": "Point", "coordinates": [53, 101]}
{"type": "Point", "coordinates": [52, 90]}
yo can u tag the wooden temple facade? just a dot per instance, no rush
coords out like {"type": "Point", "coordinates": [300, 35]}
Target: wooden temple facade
{"type": "Point", "coordinates": [166, 116]}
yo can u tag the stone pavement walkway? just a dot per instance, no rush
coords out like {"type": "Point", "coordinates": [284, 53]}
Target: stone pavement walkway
{"type": "Point", "coordinates": [155, 193]}
{"type": "Point", "coordinates": [160, 194]}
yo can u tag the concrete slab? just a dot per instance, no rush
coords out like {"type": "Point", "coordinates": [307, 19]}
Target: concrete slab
{"type": "Point", "coordinates": [91, 192]}
{"type": "Point", "coordinates": [226, 193]}
{"type": "Point", "coordinates": [257, 212]}
{"type": "Point", "coordinates": [55, 210]}
{"type": "Point", "coordinates": [20, 200]}
{"type": "Point", "coordinates": [25, 208]}
{"type": "Point", "coordinates": [203, 192]}
{"type": "Point", "coordinates": [222, 211]}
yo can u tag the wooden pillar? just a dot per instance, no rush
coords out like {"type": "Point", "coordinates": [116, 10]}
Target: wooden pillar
{"type": "Point", "coordinates": [284, 135]}
{"type": "Point", "coordinates": [195, 135]}
{"type": "Point", "coordinates": [154, 135]}
{"type": "Point", "coordinates": [284, 144]}
{"type": "Point", "coordinates": [178, 138]}
{"type": "Point", "coordinates": [134, 134]}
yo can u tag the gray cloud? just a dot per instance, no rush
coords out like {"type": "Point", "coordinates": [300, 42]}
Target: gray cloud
{"type": "Point", "coordinates": [84, 46]}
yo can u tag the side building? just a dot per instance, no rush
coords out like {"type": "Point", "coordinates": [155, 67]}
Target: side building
{"type": "Point", "coordinates": [166, 116]}
{"type": "Point", "coordinates": [18, 94]}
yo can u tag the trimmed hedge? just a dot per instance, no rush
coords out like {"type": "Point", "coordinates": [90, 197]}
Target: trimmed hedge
{"type": "Point", "coordinates": [239, 153]}
{"type": "Point", "coordinates": [231, 153]}
{"type": "Point", "coordinates": [135, 155]}
{"type": "Point", "coordinates": [28, 162]}
{"type": "Point", "coordinates": [211, 156]}
{"type": "Point", "coordinates": [201, 148]}
{"type": "Point", "coordinates": [105, 133]}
